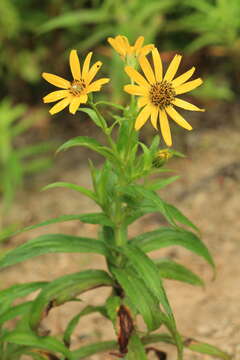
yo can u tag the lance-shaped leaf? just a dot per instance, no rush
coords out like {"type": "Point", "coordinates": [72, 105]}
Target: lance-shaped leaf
{"type": "Point", "coordinates": [136, 349]}
{"type": "Point", "coordinates": [89, 143]}
{"type": "Point", "coordinates": [89, 218]}
{"type": "Point", "coordinates": [7, 296]}
{"type": "Point", "coordinates": [94, 116]}
{"type": "Point", "coordinates": [94, 348]}
{"type": "Point", "coordinates": [15, 311]}
{"type": "Point", "coordinates": [45, 342]}
{"type": "Point", "coordinates": [53, 243]}
{"type": "Point", "coordinates": [78, 188]}
{"type": "Point", "coordinates": [145, 302]}
{"type": "Point", "coordinates": [148, 272]}
{"type": "Point", "coordinates": [205, 348]}
{"type": "Point", "coordinates": [64, 289]}
{"type": "Point", "coordinates": [160, 184]}
{"type": "Point", "coordinates": [169, 269]}
{"type": "Point", "coordinates": [164, 237]}
{"type": "Point", "coordinates": [75, 320]}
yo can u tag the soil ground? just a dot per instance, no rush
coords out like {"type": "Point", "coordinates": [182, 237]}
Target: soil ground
{"type": "Point", "coordinates": [208, 193]}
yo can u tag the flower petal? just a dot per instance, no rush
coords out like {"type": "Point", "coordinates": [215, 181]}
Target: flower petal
{"type": "Point", "coordinates": [75, 65]}
{"type": "Point", "coordinates": [55, 95]}
{"type": "Point", "coordinates": [158, 68]}
{"type": "Point", "coordinates": [92, 72]}
{"type": "Point", "coordinates": [115, 45]}
{"type": "Point", "coordinates": [60, 105]}
{"type": "Point", "coordinates": [146, 68]}
{"type": "Point", "coordinates": [74, 104]}
{"type": "Point", "coordinates": [146, 49]}
{"type": "Point", "coordinates": [142, 117]}
{"type": "Point", "coordinates": [142, 101]}
{"type": "Point", "coordinates": [96, 85]}
{"type": "Point", "coordinates": [138, 78]}
{"type": "Point", "coordinates": [178, 118]}
{"type": "Point", "coordinates": [165, 129]}
{"type": "Point", "coordinates": [186, 105]}
{"type": "Point", "coordinates": [138, 43]}
{"type": "Point", "coordinates": [56, 80]}
{"type": "Point", "coordinates": [184, 77]}
{"type": "Point", "coordinates": [136, 90]}
{"type": "Point", "coordinates": [154, 115]}
{"type": "Point", "coordinates": [188, 86]}
{"type": "Point", "coordinates": [173, 68]}
{"type": "Point", "coordinates": [86, 64]}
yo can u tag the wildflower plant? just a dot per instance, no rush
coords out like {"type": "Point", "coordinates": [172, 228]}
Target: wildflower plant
{"type": "Point", "coordinates": [124, 190]}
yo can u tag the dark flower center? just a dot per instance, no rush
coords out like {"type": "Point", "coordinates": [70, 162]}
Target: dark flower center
{"type": "Point", "coordinates": [162, 94]}
{"type": "Point", "coordinates": [77, 86]}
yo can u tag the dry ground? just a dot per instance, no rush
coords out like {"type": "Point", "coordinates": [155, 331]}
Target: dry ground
{"type": "Point", "coordinates": [207, 192]}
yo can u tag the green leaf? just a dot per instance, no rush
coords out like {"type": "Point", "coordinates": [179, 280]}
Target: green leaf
{"type": "Point", "coordinates": [159, 184]}
{"type": "Point", "coordinates": [165, 237]}
{"type": "Point", "coordinates": [136, 349]}
{"type": "Point", "coordinates": [66, 288]}
{"type": "Point", "coordinates": [15, 311]}
{"type": "Point", "coordinates": [78, 188]}
{"type": "Point", "coordinates": [93, 115]}
{"type": "Point", "coordinates": [89, 143]}
{"type": "Point", "coordinates": [28, 339]}
{"type": "Point", "coordinates": [149, 273]}
{"type": "Point", "coordinates": [90, 218]}
{"type": "Point", "coordinates": [169, 269]}
{"type": "Point", "coordinates": [205, 348]}
{"type": "Point", "coordinates": [53, 243]}
{"type": "Point", "coordinates": [7, 296]}
{"type": "Point", "coordinates": [92, 349]}
{"type": "Point", "coordinates": [142, 299]}
{"type": "Point", "coordinates": [75, 320]}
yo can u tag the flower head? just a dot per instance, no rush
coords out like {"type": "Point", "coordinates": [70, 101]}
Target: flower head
{"type": "Point", "coordinates": [121, 45]}
{"type": "Point", "coordinates": [158, 93]}
{"type": "Point", "coordinates": [74, 92]}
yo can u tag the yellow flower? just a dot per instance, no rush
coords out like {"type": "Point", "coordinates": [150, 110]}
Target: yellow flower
{"type": "Point", "coordinates": [76, 91]}
{"type": "Point", "coordinates": [121, 45]}
{"type": "Point", "coordinates": [158, 93]}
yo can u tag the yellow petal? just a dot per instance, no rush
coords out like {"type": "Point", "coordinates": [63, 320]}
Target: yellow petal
{"type": "Point", "coordinates": [92, 72]}
{"type": "Point", "coordinates": [186, 105]}
{"type": "Point", "coordinates": [135, 90]}
{"type": "Point", "coordinates": [138, 78]}
{"type": "Point", "coordinates": [74, 104]}
{"type": "Point", "coordinates": [178, 118]}
{"type": "Point", "coordinates": [154, 115]}
{"type": "Point", "coordinates": [138, 43]}
{"type": "Point", "coordinates": [146, 68]}
{"type": "Point", "coordinates": [182, 78]}
{"type": "Point", "coordinates": [55, 95]}
{"type": "Point", "coordinates": [188, 86]}
{"type": "Point", "coordinates": [60, 106]}
{"type": "Point", "coordinates": [96, 85]}
{"type": "Point", "coordinates": [86, 64]}
{"type": "Point", "coordinates": [142, 101]}
{"type": "Point", "coordinates": [173, 68]}
{"type": "Point", "coordinates": [165, 129]}
{"type": "Point", "coordinates": [146, 49]}
{"type": "Point", "coordinates": [142, 117]}
{"type": "Point", "coordinates": [158, 68]}
{"type": "Point", "coordinates": [115, 45]}
{"type": "Point", "coordinates": [75, 65]}
{"type": "Point", "coordinates": [56, 80]}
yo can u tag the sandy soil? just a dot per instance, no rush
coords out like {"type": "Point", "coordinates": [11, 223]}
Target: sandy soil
{"type": "Point", "coordinates": [206, 193]}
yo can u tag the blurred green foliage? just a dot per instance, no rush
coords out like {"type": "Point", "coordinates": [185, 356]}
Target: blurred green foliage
{"type": "Point", "coordinates": [16, 161]}
{"type": "Point", "coordinates": [37, 36]}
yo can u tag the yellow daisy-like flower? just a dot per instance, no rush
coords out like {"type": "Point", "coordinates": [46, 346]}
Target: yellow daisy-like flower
{"type": "Point", "coordinates": [74, 92]}
{"type": "Point", "coordinates": [158, 93]}
{"type": "Point", "coordinates": [121, 45]}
